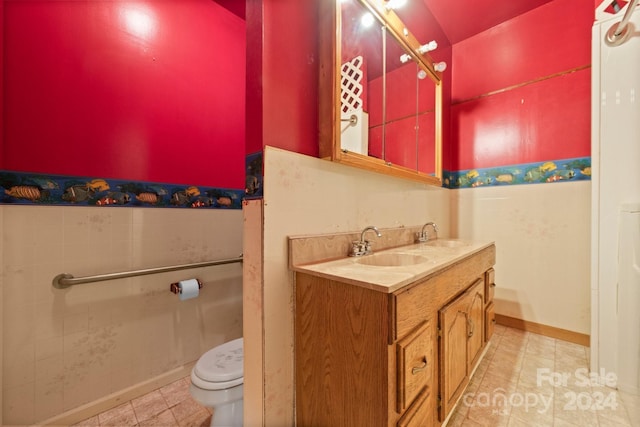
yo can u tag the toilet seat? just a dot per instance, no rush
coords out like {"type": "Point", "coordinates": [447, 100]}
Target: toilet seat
{"type": "Point", "coordinates": [220, 368]}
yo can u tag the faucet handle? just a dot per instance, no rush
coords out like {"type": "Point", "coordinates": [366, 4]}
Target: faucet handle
{"type": "Point", "coordinates": [358, 248]}
{"type": "Point", "coordinates": [423, 236]}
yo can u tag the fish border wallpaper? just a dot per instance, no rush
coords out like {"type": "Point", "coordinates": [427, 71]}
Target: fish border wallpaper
{"type": "Point", "coordinates": [552, 171]}
{"type": "Point", "coordinates": [26, 188]}
{"type": "Point", "coordinates": [253, 177]}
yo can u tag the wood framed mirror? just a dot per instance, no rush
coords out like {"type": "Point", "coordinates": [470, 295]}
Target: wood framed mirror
{"type": "Point", "coordinates": [380, 98]}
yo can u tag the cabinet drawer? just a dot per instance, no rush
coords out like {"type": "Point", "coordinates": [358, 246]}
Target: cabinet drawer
{"type": "Point", "coordinates": [414, 364]}
{"type": "Point", "coordinates": [490, 319]}
{"type": "Point", "coordinates": [489, 285]}
{"type": "Point", "coordinates": [420, 414]}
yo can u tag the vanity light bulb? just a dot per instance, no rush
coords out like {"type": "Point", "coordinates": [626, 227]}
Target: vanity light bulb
{"type": "Point", "coordinates": [395, 4]}
{"type": "Point", "coordinates": [440, 66]}
{"type": "Point", "coordinates": [367, 20]}
{"type": "Point", "coordinates": [405, 58]}
{"type": "Point", "coordinates": [422, 74]}
{"type": "Point", "coordinates": [432, 45]}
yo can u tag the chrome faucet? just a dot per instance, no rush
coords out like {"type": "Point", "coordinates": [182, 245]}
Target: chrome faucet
{"type": "Point", "coordinates": [423, 236]}
{"type": "Point", "coordinates": [362, 246]}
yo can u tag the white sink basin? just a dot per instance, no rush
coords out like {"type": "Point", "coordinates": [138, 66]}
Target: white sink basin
{"type": "Point", "coordinates": [391, 259]}
{"type": "Point", "coordinates": [447, 243]}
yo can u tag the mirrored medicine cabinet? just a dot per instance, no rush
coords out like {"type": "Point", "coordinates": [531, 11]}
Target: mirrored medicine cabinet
{"type": "Point", "coordinates": [380, 97]}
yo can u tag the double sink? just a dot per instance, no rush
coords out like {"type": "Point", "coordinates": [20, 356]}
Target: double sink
{"type": "Point", "coordinates": [393, 258]}
{"type": "Point", "coordinates": [391, 269]}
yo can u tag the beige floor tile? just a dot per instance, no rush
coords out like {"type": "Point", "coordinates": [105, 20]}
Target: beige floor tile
{"type": "Point", "coordinates": [465, 422]}
{"type": "Point", "coordinates": [569, 364]}
{"type": "Point", "coordinates": [508, 373]}
{"type": "Point", "coordinates": [149, 405]}
{"type": "Point", "coordinates": [528, 386]}
{"type": "Point", "coordinates": [163, 419]}
{"type": "Point", "coordinates": [568, 349]}
{"type": "Point", "coordinates": [632, 405]}
{"type": "Point", "coordinates": [529, 420]}
{"type": "Point", "coordinates": [198, 419]}
{"type": "Point", "coordinates": [511, 346]}
{"type": "Point", "coordinates": [533, 405]}
{"type": "Point", "coordinates": [534, 369]}
{"type": "Point", "coordinates": [456, 419]}
{"type": "Point", "coordinates": [176, 392]}
{"type": "Point", "coordinates": [121, 415]}
{"type": "Point", "coordinates": [495, 377]}
{"type": "Point", "coordinates": [127, 419]}
{"type": "Point", "coordinates": [489, 416]}
{"type": "Point", "coordinates": [512, 334]}
{"type": "Point", "coordinates": [614, 418]}
{"type": "Point", "coordinates": [461, 410]}
{"type": "Point", "coordinates": [544, 349]}
{"type": "Point", "coordinates": [89, 422]}
{"type": "Point", "coordinates": [557, 422]}
{"type": "Point", "coordinates": [534, 363]}
{"type": "Point", "coordinates": [575, 406]}
{"type": "Point", "coordinates": [482, 366]}
{"type": "Point", "coordinates": [474, 385]}
{"type": "Point", "coordinates": [187, 409]}
{"type": "Point", "coordinates": [517, 367]}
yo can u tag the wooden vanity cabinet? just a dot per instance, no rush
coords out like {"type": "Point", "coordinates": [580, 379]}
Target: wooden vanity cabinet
{"type": "Point", "coordinates": [365, 357]}
{"type": "Point", "coordinates": [461, 343]}
{"type": "Point", "coordinates": [345, 361]}
{"type": "Point", "coordinates": [475, 323]}
{"type": "Point", "coordinates": [414, 360]}
{"type": "Point", "coordinates": [490, 314]}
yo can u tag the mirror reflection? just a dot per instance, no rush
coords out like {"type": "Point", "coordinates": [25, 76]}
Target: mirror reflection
{"type": "Point", "coordinates": [387, 101]}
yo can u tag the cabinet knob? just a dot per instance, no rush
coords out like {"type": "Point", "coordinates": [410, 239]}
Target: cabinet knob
{"type": "Point", "coordinates": [417, 369]}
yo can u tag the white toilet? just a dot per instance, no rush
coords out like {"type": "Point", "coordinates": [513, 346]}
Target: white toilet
{"type": "Point", "coordinates": [216, 382]}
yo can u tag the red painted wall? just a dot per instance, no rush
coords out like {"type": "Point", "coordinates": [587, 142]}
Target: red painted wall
{"type": "Point", "coordinates": [282, 75]}
{"type": "Point", "coordinates": [147, 90]}
{"type": "Point", "coordinates": [2, 88]}
{"type": "Point", "coordinates": [541, 110]}
{"type": "Point", "coordinates": [410, 105]}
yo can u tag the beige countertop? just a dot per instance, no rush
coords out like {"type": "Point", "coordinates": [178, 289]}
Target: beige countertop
{"type": "Point", "coordinates": [410, 263]}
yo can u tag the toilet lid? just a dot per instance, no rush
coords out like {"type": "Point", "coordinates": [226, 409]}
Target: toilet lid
{"type": "Point", "coordinates": [221, 363]}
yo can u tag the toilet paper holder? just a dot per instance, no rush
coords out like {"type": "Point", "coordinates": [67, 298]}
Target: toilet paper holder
{"type": "Point", "coordinates": [175, 287]}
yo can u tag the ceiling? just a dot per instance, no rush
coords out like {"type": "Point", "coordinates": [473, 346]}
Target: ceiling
{"type": "Point", "coordinates": [454, 20]}
{"type": "Point", "coordinates": [237, 7]}
{"type": "Point", "coordinates": [461, 19]}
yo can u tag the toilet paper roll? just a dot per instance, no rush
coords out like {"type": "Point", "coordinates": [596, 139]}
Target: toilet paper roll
{"type": "Point", "coordinates": [188, 289]}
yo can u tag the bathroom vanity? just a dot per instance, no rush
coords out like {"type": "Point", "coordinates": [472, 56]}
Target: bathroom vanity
{"type": "Point", "coordinates": [390, 339]}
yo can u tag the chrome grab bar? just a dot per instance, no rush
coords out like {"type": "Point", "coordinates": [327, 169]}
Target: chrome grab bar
{"type": "Point", "coordinates": [65, 280]}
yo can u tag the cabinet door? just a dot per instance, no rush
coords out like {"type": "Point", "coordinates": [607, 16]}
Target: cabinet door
{"type": "Point", "coordinates": [420, 414]}
{"type": "Point", "coordinates": [453, 352]}
{"type": "Point", "coordinates": [415, 364]}
{"type": "Point", "coordinates": [475, 331]}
